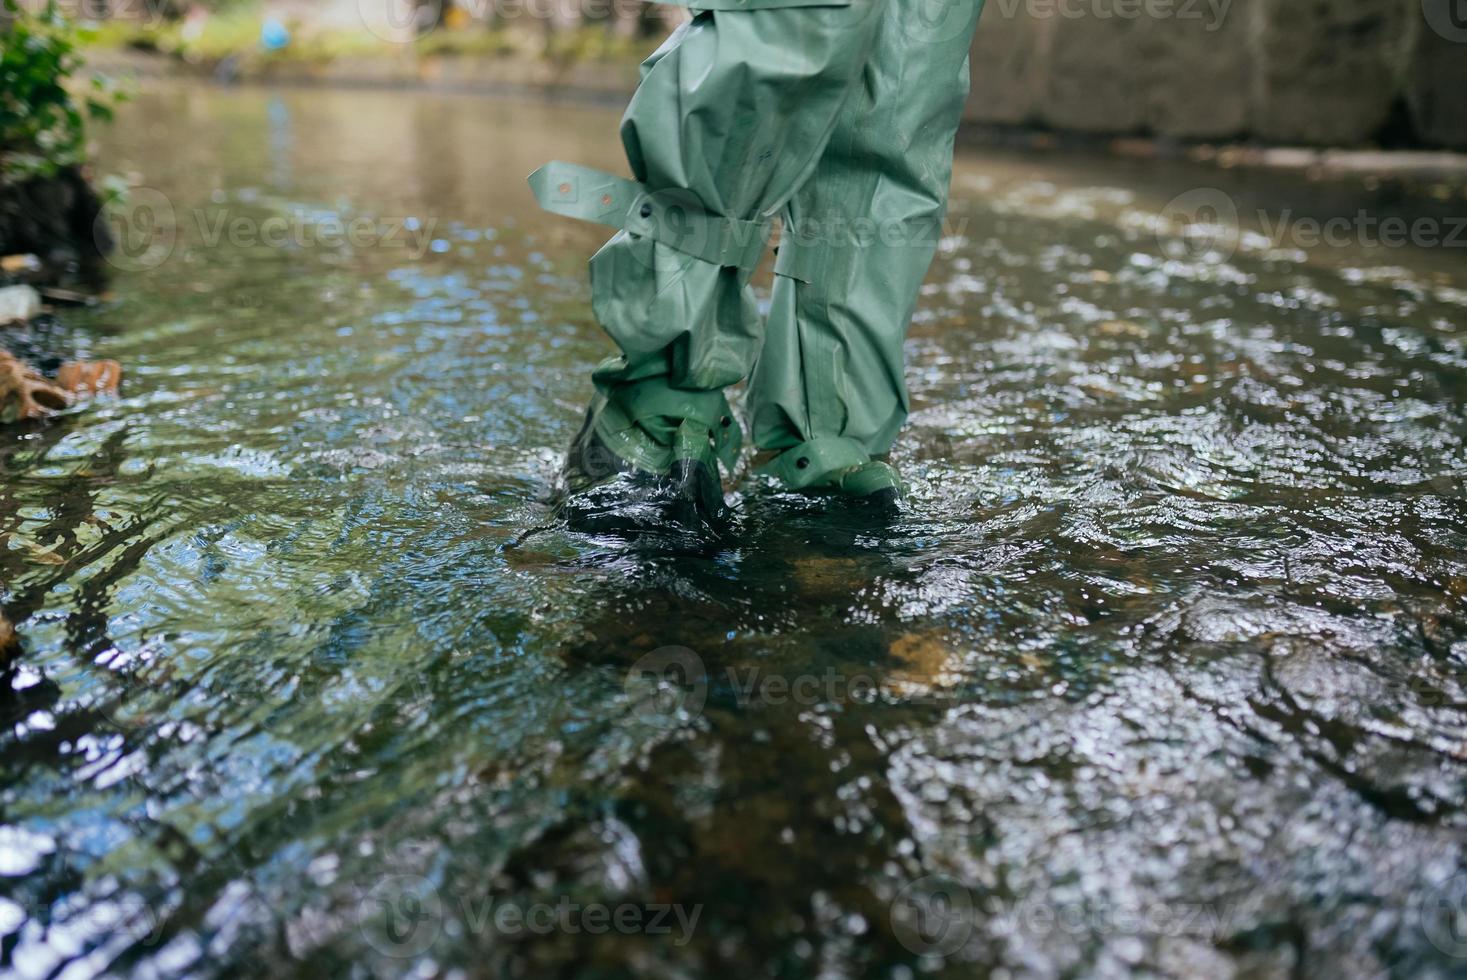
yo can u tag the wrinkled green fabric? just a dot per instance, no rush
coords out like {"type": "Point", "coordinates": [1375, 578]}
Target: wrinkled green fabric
{"type": "Point", "coordinates": [838, 117]}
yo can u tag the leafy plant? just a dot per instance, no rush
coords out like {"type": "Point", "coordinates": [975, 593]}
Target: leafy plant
{"type": "Point", "coordinates": [42, 119]}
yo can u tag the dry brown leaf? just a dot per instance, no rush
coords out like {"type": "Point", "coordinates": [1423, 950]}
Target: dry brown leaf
{"type": "Point", "coordinates": [24, 394]}
{"type": "Point", "coordinates": [89, 378]}
{"type": "Point", "coordinates": [9, 641]}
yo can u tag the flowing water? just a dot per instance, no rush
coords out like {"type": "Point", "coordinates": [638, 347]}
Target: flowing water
{"type": "Point", "coordinates": [1164, 674]}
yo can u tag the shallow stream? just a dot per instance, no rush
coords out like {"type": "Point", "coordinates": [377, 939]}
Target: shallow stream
{"type": "Point", "coordinates": [1164, 674]}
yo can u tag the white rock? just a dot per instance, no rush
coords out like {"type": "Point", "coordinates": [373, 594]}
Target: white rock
{"type": "Point", "coordinates": [19, 303]}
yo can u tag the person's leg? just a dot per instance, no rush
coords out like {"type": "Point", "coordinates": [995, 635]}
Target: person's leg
{"type": "Point", "coordinates": [828, 393]}
{"type": "Point", "coordinates": [731, 116]}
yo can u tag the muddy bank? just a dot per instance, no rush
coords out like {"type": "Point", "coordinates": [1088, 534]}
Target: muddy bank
{"type": "Point", "coordinates": [57, 220]}
{"type": "Point", "coordinates": [590, 81]}
{"type": "Point", "coordinates": [52, 236]}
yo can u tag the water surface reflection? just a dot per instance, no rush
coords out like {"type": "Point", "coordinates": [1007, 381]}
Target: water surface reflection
{"type": "Point", "coordinates": [1164, 673]}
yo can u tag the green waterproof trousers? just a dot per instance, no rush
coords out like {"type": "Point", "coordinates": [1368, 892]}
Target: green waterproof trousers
{"type": "Point", "coordinates": [837, 116]}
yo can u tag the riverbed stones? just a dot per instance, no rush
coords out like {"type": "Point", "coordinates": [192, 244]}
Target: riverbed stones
{"type": "Point", "coordinates": [928, 663]}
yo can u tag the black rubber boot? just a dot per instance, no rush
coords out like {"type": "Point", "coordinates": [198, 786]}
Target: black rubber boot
{"type": "Point", "coordinates": [602, 493]}
{"type": "Point", "coordinates": [875, 485]}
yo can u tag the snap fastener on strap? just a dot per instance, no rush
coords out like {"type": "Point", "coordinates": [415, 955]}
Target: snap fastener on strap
{"type": "Point", "coordinates": [673, 217]}
{"type": "Point", "coordinates": [676, 218]}
{"type": "Point", "coordinates": [817, 462]}
{"type": "Point", "coordinates": [581, 192]}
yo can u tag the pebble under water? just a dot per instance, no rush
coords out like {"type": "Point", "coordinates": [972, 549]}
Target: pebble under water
{"type": "Point", "coordinates": [1163, 674]}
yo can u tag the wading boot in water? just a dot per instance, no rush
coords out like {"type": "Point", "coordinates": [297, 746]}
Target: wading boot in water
{"type": "Point", "coordinates": [836, 117]}
{"type": "Point", "coordinates": [839, 470]}
{"type": "Point", "coordinates": [646, 462]}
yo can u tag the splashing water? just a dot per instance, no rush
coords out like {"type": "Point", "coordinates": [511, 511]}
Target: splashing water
{"type": "Point", "coordinates": [1164, 673]}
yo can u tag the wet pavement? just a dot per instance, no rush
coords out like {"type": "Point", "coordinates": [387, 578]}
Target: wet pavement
{"type": "Point", "coordinates": [1164, 674]}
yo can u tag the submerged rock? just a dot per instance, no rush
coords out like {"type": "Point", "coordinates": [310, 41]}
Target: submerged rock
{"type": "Point", "coordinates": [19, 303]}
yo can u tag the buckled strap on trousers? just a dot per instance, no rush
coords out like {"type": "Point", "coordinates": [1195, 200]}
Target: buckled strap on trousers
{"type": "Point", "coordinates": [796, 259]}
{"type": "Point", "coordinates": [673, 217]}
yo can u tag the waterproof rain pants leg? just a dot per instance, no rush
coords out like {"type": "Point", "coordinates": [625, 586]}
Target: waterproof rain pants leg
{"type": "Point", "coordinates": [838, 115]}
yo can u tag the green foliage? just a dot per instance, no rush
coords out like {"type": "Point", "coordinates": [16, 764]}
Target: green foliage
{"type": "Point", "coordinates": [593, 43]}
{"type": "Point", "coordinates": [234, 32]}
{"type": "Point", "coordinates": [475, 43]}
{"type": "Point", "coordinates": [42, 118]}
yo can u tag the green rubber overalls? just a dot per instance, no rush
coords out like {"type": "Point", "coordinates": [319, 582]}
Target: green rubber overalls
{"type": "Point", "coordinates": [837, 116]}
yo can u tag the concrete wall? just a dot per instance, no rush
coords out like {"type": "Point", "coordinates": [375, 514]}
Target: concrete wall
{"type": "Point", "coordinates": [1322, 72]}
{"type": "Point", "coordinates": [1337, 72]}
